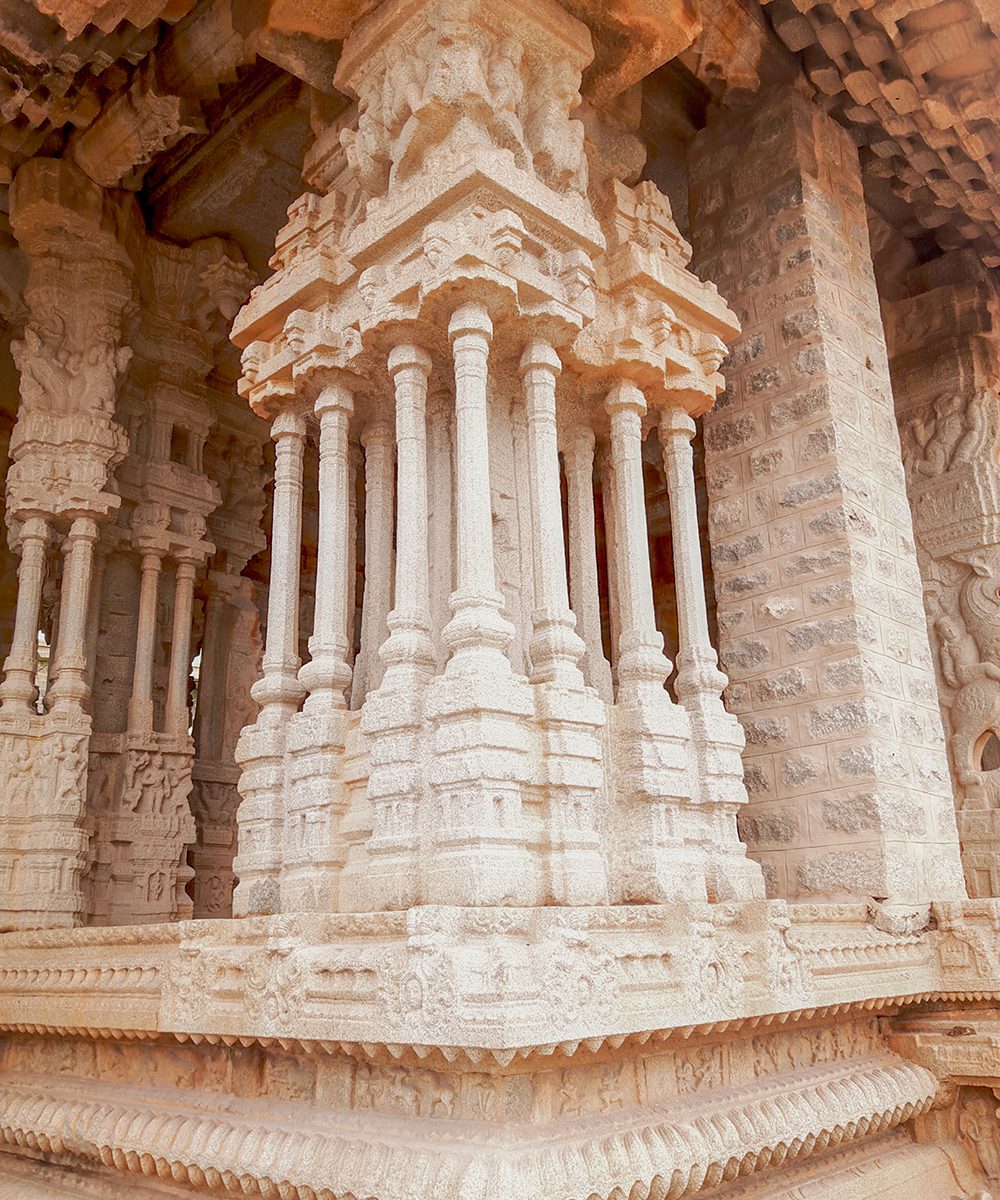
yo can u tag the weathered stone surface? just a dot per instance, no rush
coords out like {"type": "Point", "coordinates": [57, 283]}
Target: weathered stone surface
{"type": "Point", "coordinates": [423, 686]}
{"type": "Point", "coordinates": [809, 419]}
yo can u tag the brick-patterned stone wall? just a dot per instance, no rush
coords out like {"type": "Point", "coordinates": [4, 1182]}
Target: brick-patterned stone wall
{"type": "Point", "coordinates": [821, 624]}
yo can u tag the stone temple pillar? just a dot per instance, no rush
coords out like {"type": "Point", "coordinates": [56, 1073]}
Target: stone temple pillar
{"type": "Point", "coordinates": [63, 451]}
{"type": "Point", "coordinates": [945, 355]}
{"type": "Point", "coordinates": [819, 598]}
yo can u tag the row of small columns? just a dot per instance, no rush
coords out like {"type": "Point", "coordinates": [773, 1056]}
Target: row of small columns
{"type": "Point", "coordinates": [140, 708]}
{"type": "Point", "coordinates": [479, 635]}
{"type": "Point", "coordinates": [75, 646]}
{"type": "Point", "coordinates": [68, 670]}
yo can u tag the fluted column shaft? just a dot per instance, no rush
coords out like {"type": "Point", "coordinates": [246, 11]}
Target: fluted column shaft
{"type": "Point", "coordinates": [698, 673]}
{"type": "Point", "coordinates": [409, 652]}
{"type": "Point", "coordinates": [328, 674]}
{"type": "Point", "coordinates": [140, 705]}
{"type": "Point", "coordinates": [578, 457]}
{"type": "Point", "coordinates": [477, 633]}
{"type": "Point", "coordinates": [70, 688]}
{"type": "Point", "coordinates": [642, 660]}
{"type": "Point", "coordinates": [177, 714]}
{"type": "Point", "coordinates": [556, 649]}
{"type": "Point", "coordinates": [279, 691]}
{"type": "Point", "coordinates": [377, 442]}
{"type": "Point", "coordinates": [18, 688]}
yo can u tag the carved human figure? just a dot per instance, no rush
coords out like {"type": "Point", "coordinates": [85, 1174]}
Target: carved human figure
{"type": "Point", "coordinates": [555, 140]}
{"type": "Point", "coordinates": [367, 147]}
{"type": "Point", "coordinates": [454, 93]}
{"type": "Point", "coordinates": [953, 434]}
{"type": "Point", "coordinates": [507, 97]}
{"type": "Point", "coordinates": [979, 1126]}
{"type": "Point", "coordinates": [63, 373]}
{"type": "Point", "coordinates": [21, 775]}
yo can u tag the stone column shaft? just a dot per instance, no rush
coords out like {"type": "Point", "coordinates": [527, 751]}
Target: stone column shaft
{"type": "Point", "coordinates": [70, 688]}
{"type": "Point", "coordinates": [698, 673]}
{"type": "Point", "coordinates": [607, 477]}
{"type": "Point", "coordinates": [556, 649]}
{"type": "Point", "coordinates": [328, 673]}
{"type": "Point", "coordinates": [475, 781]}
{"type": "Point", "coordinates": [477, 633]}
{"type": "Point", "coordinates": [140, 707]}
{"type": "Point", "coordinates": [641, 657]}
{"type": "Point", "coordinates": [409, 653]}
{"type": "Point", "coordinates": [177, 714]}
{"type": "Point", "coordinates": [18, 688]}
{"type": "Point", "coordinates": [393, 716]}
{"type": "Point", "coordinates": [716, 736]}
{"type": "Point", "coordinates": [94, 602]}
{"type": "Point", "coordinates": [279, 691]}
{"type": "Point", "coordinates": [378, 467]}
{"type": "Point", "coordinates": [578, 457]}
{"type": "Point", "coordinates": [211, 678]}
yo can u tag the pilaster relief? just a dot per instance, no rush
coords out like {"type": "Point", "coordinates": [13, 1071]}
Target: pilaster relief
{"type": "Point", "coordinates": [949, 427]}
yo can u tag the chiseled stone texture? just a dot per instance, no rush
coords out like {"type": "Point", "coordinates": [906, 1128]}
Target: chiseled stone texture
{"type": "Point", "coordinates": [819, 597]}
{"type": "Point", "coordinates": [497, 937]}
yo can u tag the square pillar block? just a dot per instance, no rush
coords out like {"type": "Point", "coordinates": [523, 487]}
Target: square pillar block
{"type": "Point", "coordinates": [821, 621]}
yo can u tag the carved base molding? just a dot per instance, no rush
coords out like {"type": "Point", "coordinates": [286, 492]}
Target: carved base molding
{"type": "Point", "coordinates": [407, 1133]}
{"type": "Point", "coordinates": [690, 1049]}
{"type": "Point", "coordinates": [494, 983]}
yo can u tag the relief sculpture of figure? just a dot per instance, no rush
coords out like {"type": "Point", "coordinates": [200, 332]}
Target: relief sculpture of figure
{"type": "Point", "coordinates": [953, 435]}
{"type": "Point", "coordinates": [969, 644]}
{"type": "Point", "coordinates": [557, 141]}
{"type": "Point", "coordinates": [980, 1128]}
